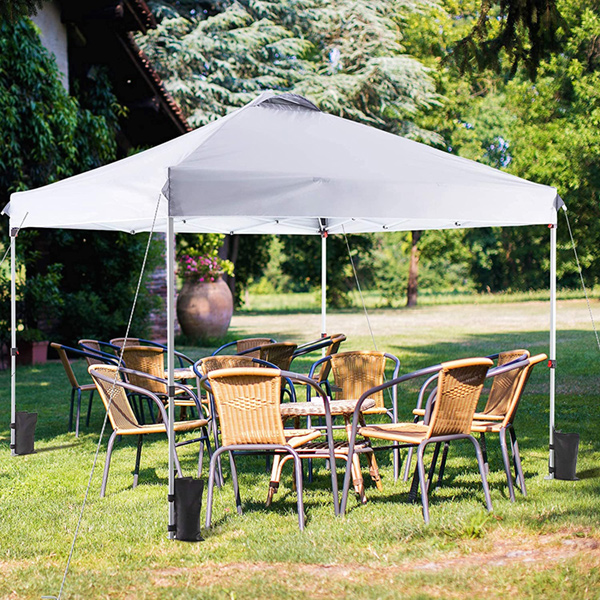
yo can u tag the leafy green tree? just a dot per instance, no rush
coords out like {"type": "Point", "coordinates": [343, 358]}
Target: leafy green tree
{"type": "Point", "coordinates": [48, 135]}
{"type": "Point", "coordinates": [13, 10]}
{"type": "Point", "coordinates": [347, 57]}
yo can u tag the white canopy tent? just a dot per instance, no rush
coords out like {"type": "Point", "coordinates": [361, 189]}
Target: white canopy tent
{"type": "Point", "coordinates": [281, 166]}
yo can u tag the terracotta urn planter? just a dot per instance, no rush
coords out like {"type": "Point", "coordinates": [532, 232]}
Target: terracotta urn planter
{"type": "Point", "coordinates": [32, 353]}
{"type": "Point", "coordinates": [204, 309]}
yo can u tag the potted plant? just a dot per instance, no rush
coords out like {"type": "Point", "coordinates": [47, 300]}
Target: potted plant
{"type": "Point", "coordinates": [205, 302]}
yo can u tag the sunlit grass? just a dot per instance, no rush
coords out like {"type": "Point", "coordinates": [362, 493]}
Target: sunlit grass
{"type": "Point", "coordinates": [380, 550]}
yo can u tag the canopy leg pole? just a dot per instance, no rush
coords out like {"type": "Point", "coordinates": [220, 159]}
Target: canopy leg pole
{"type": "Point", "coordinates": [13, 338]}
{"type": "Point", "coordinates": [324, 285]}
{"type": "Point", "coordinates": [552, 362]}
{"type": "Point", "coordinates": [170, 242]}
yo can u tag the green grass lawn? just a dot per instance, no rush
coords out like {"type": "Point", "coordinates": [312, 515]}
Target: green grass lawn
{"type": "Point", "coordinates": [544, 546]}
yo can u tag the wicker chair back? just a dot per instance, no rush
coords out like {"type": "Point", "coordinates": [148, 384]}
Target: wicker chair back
{"type": "Point", "coordinates": [504, 385]}
{"type": "Point", "coordinates": [130, 342]}
{"type": "Point", "coordinates": [247, 402]}
{"type": "Point", "coordinates": [147, 359]}
{"type": "Point", "coordinates": [114, 397]}
{"type": "Point", "coordinates": [356, 372]}
{"type": "Point", "coordinates": [459, 386]}
{"type": "Point", "coordinates": [246, 344]}
{"type": "Point", "coordinates": [279, 354]}
{"type": "Point", "coordinates": [214, 363]}
{"type": "Point", "coordinates": [333, 348]}
{"type": "Point", "coordinates": [522, 379]}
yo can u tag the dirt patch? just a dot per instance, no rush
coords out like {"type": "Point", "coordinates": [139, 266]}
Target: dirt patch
{"type": "Point", "coordinates": [536, 553]}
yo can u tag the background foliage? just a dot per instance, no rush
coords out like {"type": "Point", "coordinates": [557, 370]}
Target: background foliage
{"type": "Point", "coordinates": [48, 135]}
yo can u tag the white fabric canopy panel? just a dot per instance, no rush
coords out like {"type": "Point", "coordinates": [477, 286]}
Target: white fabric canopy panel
{"type": "Point", "coordinates": [277, 166]}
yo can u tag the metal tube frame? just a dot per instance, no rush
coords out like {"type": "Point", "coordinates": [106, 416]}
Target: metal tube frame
{"type": "Point", "coordinates": [324, 286]}
{"type": "Point", "coordinates": [170, 251]}
{"type": "Point", "coordinates": [13, 338]}
{"type": "Point", "coordinates": [552, 358]}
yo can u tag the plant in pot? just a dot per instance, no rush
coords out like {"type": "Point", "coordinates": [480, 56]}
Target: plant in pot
{"type": "Point", "coordinates": [205, 302]}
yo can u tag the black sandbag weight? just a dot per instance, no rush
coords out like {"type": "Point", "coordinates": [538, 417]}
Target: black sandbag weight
{"type": "Point", "coordinates": [566, 446]}
{"type": "Point", "coordinates": [188, 502]}
{"type": "Point", "coordinates": [25, 423]}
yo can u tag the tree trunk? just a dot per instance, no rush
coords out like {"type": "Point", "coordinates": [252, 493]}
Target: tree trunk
{"type": "Point", "coordinates": [413, 271]}
{"type": "Point", "coordinates": [229, 251]}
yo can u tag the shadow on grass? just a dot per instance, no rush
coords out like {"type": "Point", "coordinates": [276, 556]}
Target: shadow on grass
{"type": "Point", "coordinates": [589, 474]}
{"type": "Point", "coordinates": [54, 448]}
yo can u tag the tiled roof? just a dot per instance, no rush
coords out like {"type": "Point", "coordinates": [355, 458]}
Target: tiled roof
{"type": "Point", "coordinates": [151, 71]}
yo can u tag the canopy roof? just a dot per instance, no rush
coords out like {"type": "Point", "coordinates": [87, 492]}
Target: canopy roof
{"type": "Point", "coordinates": [281, 166]}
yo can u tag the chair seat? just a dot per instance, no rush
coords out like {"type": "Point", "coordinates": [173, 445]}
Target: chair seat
{"type": "Point", "coordinates": [178, 426]}
{"type": "Point", "coordinates": [376, 410]}
{"type": "Point", "coordinates": [298, 437]}
{"type": "Point", "coordinates": [316, 409]}
{"type": "Point", "coordinates": [87, 387]}
{"type": "Point", "coordinates": [488, 417]}
{"type": "Point", "coordinates": [487, 426]}
{"type": "Point", "coordinates": [410, 433]}
{"type": "Point", "coordinates": [420, 412]}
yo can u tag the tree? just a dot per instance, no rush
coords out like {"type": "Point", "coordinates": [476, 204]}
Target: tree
{"type": "Point", "coordinates": [346, 57]}
{"type": "Point", "coordinates": [523, 31]}
{"type": "Point", "coordinates": [49, 135]}
{"type": "Point", "coordinates": [13, 10]}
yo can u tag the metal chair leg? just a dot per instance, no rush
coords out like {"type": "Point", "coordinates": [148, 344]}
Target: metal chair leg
{"type": "Point", "coordinates": [138, 457]}
{"type": "Point", "coordinates": [89, 410]}
{"type": "Point", "coordinates": [211, 484]}
{"type": "Point", "coordinates": [517, 460]}
{"type": "Point", "coordinates": [443, 464]}
{"type": "Point", "coordinates": [236, 487]}
{"type": "Point", "coordinates": [483, 447]}
{"type": "Point", "coordinates": [71, 409]}
{"type": "Point", "coordinates": [436, 452]}
{"type": "Point", "coordinates": [486, 488]}
{"type": "Point", "coordinates": [78, 412]}
{"type": "Point", "coordinates": [407, 464]}
{"type": "Point", "coordinates": [299, 491]}
{"type": "Point", "coordinates": [421, 471]}
{"type": "Point", "coordinates": [109, 449]}
{"type": "Point", "coordinates": [507, 466]}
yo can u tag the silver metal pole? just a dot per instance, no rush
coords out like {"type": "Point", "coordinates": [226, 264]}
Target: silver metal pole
{"type": "Point", "coordinates": [170, 242]}
{"type": "Point", "coordinates": [324, 284]}
{"type": "Point", "coordinates": [13, 338]}
{"type": "Point", "coordinates": [552, 346]}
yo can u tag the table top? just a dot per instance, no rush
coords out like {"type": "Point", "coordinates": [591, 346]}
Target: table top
{"type": "Point", "coordinates": [316, 408]}
{"type": "Point", "coordinates": [182, 373]}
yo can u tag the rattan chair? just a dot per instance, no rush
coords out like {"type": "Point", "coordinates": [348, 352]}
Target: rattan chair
{"type": "Point", "coordinates": [118, 343]}
{"type": "Point", "coordinates": [76, 388]}
{"type": "Point", "coordinates": [99, 348]}
{"type": "Point", "coordinates": [114, 394]}
{"type": "Point", "coordinates": [248, 346]}
{"type": "Point", "coordinates": [206, 365]}
{"type": "Point", "coordinates": [279, 354]}
{"type": "Point", "coordinates": [326, 342]}
{"type": "Point", "coordinates": [483, 426]}
{"type": "Point", "coordinates": [322, 377]}
{"type": "Point", "coordinates": [150, 360]}
{"type": "Point", "coordinates": [459, 386]}
{"type": "Point", "coordinates": [248, 404]}
{"type": "Point", "coordinates": [354, 373]}
{"type": "Point", "coordinates": [498, 399]}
